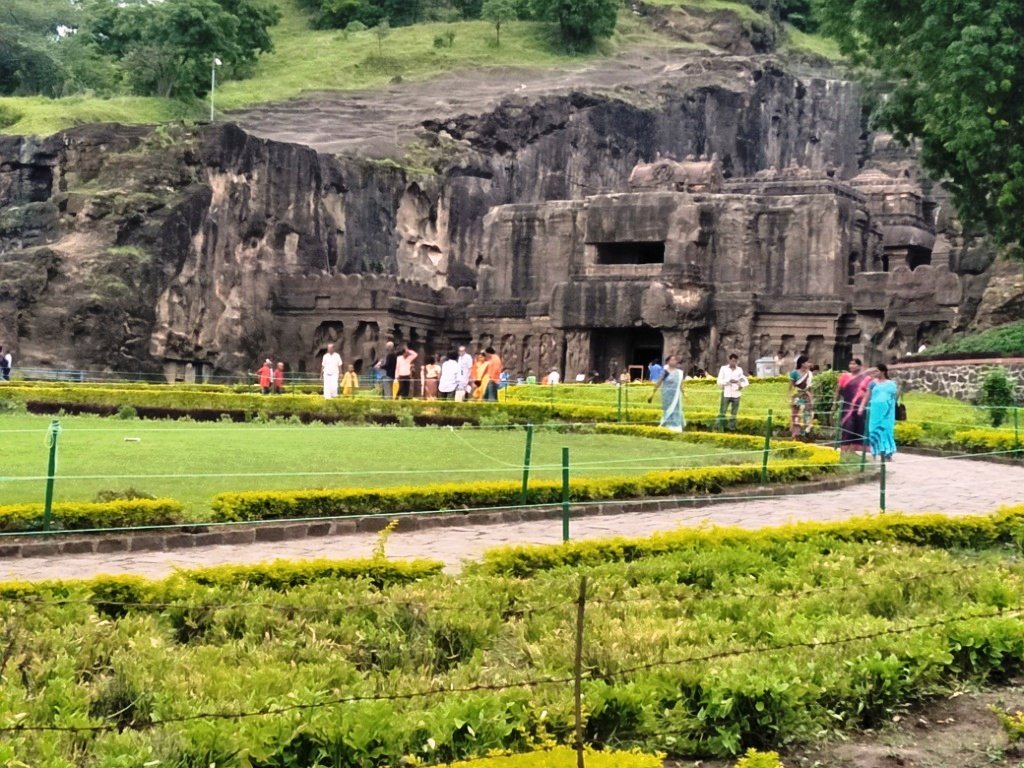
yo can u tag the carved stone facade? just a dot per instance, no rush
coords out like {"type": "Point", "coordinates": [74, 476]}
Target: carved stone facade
{"type": "Point", "coordinates": [691, 264]}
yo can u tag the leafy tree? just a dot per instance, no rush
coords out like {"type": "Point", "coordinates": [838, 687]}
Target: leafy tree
{"type": "Point", "coordinates": [998, 393]}
{"type": "Point", "coordinates": [498, 12]}
{"type": "Point", "coordinates": [381, 31]}
{"type": "Point", "coordinates": [581, 22]}
{"type": "Point", "coordinates": [167, 48]}
{"type": "Point", "coordinates": [956, 74]}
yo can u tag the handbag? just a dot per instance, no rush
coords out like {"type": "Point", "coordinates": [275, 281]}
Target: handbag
{"type": "Point", "coordinates": [901, 411]}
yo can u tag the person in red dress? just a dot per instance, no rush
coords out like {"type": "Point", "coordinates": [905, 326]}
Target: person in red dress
{"type": "Point", "coordinates": [266, 376]}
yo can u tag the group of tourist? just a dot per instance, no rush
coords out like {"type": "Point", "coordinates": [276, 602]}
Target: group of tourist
{"type": "Point", "coordinates": [458, 375]}
{"type": "Point", "coordinates": [270, 377]}
{"type": "Point", "coordinates": [867, 401]}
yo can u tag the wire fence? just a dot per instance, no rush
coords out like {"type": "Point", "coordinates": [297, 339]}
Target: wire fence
{"type": "Point", "coordinates": [508, 462]}
{"type": "Point", "coordinates": [572, 682]}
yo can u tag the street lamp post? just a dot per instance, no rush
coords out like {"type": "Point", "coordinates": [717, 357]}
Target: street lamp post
{"type": "Point", "coordinates": [213, 83]}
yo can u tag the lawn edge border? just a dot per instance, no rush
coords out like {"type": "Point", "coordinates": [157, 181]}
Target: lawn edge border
{"type": "Point", "coordinates": [194, 536]}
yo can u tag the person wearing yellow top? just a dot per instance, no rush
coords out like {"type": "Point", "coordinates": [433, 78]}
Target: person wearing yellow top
{"type": "Point", "coordinates": [349, 382]}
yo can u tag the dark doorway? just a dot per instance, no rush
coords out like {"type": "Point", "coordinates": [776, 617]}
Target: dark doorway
{"type": "Point", "coordinates": [631, 253]}
{"type": "Point", "coordinates": [918, 257]}
{"type": "Point", "coordinates": [614, 350]}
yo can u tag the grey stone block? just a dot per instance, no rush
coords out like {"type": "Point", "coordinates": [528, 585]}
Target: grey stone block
{"type": "Point", "coordinates": [78, 547]}
{"type": "Point", "coordinates": [112, 545]}
{"type": "Point", "coordinates": [40, 549]}
{"type": "Point", "coordinates": [148, 542]}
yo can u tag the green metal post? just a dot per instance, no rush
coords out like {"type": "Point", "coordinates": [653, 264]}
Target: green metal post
{"type": "Point", "coordinates": [51, 472]}
{"type": "Point", "coordinates": [767, 448]}
{"type": "Point", "coordinates": [837, 418]}
{"type": "Point", "coordinates": [619, 398]}
{"type": "Point", "coordinates": [526, 461]}
{"type": "Point", "coordinates": [720, 421]}
{"type": "Point", "coordinates": [864, 441]}
{"type": "Point", "coordinates": [881, 487]}
{"type": "Point", "coordinates": [1016, 431]}
{"type": "Point", "coordinates": [565, 494]}
{"type": "Point", "coordinates": [627, 402]}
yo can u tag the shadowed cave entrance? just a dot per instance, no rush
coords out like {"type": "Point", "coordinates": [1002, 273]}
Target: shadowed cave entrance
{"type": "Point", "coordinates": [615, 349]}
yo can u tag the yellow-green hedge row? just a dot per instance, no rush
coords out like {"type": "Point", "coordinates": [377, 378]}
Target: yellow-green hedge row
{"type": "Point", "coordinates": [931, 530]}
{"type": "Point", "coordinates": [279, 575]}
{"type": "Point", "coordinates": [276, 505]}
{"type": "Point", "coordinates": [70, 515]}
{"type": "Point", "coordinates": [565, 757]}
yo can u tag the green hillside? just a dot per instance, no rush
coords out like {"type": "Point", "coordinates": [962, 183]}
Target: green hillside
{"type": "Point", "coordinates": [307, 59]}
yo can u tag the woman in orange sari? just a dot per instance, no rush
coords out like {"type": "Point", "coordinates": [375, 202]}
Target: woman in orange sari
{"type": "Point", "coordinates": [480, 377]}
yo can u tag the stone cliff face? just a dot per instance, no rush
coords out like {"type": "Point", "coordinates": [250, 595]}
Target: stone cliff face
{"type": "Point", "coordinates": [136, 248]}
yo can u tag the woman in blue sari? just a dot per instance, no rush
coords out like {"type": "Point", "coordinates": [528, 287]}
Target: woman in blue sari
{"type": "Point", "coordinates": [881, 407]}
{"type": "Point", "coordinates": [671, 385]}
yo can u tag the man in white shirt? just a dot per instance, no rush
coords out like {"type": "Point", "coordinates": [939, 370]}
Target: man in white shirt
{"type": "Point", "coordinates": [554, 377]}
{"type": "Point", "coordinates": [448, 381]}
{"type": "Point", "coordinates": [732, 380]}
{"type": "Point", "coordinates": [465, 361]}
{"type": "Point", "coordinates": [330, 371]}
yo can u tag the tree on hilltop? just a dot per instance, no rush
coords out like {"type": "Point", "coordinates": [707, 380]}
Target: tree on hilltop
{"type": "Point", "coordinates": [498, 12]}
{"type": "Point", "coordinates": [581, 22]}
{"type": "Point", "coordinates": [955, 71]}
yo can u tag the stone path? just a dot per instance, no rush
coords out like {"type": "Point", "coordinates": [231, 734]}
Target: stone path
{"type": "Point", "coordinates": [914, 484]}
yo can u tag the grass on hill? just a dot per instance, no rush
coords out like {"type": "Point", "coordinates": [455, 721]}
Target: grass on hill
{"type": "Point", "coordinates": [104, 455]}
{"type": "Point", "coordinates": [798, 42]}
{"type": "Point", "coordinates": [742, 10]}
{"type": "Point", "coordinates": [308, 59]}
{"type": "Point", "coordinates": [1002, 340]}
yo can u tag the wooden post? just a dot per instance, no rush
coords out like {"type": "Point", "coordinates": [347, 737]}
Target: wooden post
{"type": "Point", "coordinates": [581, 603]}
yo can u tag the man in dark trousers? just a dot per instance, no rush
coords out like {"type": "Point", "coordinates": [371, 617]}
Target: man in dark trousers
{"type": "Point", "coordinates": [387, 365]}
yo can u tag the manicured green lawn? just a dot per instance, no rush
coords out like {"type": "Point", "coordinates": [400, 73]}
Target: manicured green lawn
{"type": "Point", "coordinates": [192, 462]}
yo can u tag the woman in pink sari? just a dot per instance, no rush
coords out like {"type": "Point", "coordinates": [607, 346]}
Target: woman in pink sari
{"type": "Point", "coordinates": [851, 390]}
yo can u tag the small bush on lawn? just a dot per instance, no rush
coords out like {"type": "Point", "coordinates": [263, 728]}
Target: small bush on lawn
{"type": "Point", "coordinates": [998, 393]}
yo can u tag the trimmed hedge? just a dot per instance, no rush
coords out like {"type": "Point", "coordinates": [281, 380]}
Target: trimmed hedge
{"type": "Point", "coordinates": [985, 440]}
{"type": "Point", "coordinates": [807, 463]}
{"type": "Point", "coordinates": [174, 402]}
{"type": "Point", "coordinates": [930, 530]}
{"type": "Point", "coordinates": [122, 513]}
{"type": "Point", "coordinates": [279, 575]}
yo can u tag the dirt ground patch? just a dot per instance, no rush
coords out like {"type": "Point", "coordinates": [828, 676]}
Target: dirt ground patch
{"type": "Point", "coordinates": [956, 732]}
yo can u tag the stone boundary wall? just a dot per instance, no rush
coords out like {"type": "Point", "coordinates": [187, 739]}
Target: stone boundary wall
{"type": "Point", "coordinates": [50, 545]}
{"type": "Point", "coordinates": [954, 378]}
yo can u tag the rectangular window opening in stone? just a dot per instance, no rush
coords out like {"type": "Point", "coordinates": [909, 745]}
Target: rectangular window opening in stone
{"type": "Point", "coordinates": [631, 253]}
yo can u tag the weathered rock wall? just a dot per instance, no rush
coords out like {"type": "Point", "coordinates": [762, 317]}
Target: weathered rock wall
{"type": "Point", "coordinates": [955, 378]}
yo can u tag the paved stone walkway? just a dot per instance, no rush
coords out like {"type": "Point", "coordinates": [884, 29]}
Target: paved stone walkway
{"type": "Point", "coordinates": [914, 484]}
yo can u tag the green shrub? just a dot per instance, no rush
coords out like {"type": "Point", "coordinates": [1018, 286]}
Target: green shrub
{"type": "Point", "coordinates": [755, 759]}
{"type": "Point", "coordinates": [121, 513]}
{"type": "Point", "coordinates": [909, 434]}
{"type": "Point", "coordinates": [998, 393]}
{"type": "Point", "coordinates": [985, 441]}
{"type": "Point", "coordinates": [127, 412]}
{"type": "Point", "coordinates": [565, 757]}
